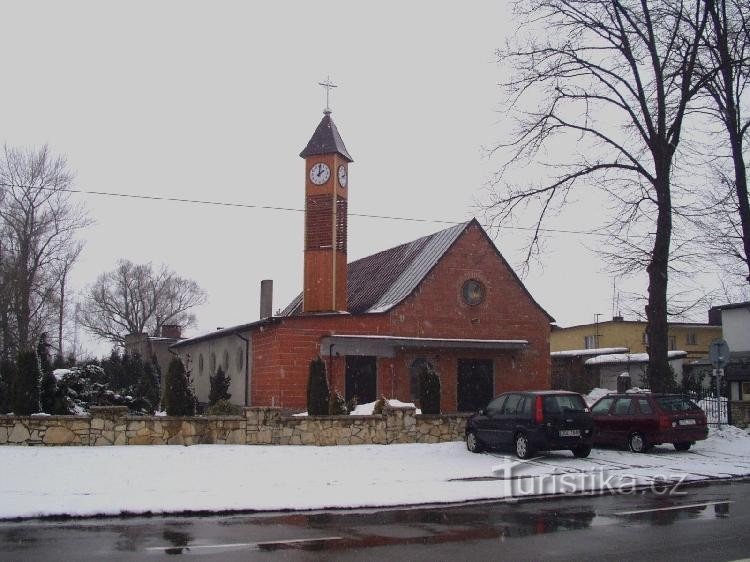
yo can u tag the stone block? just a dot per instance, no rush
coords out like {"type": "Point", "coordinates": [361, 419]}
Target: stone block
{"type": "Point", "coordinates": [188, 429]}
{"type": "Point", "coordinates": [236, 437]}
{"type": "Point", "coordinates": [59, 436]}
{"type": "Point", "coordinates": [4, 431]}
{"type": "Point", "coordinates": [19, 434]}
{"type": "Point", "coordinates": [97, 423]}
{"type": "Point", "coordinates": [176, 440]}
{"type": "Point", "coordinates": [140, 440]}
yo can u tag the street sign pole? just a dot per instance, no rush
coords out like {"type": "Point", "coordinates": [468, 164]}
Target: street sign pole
{"type": "Point", "coordinates": [718, 353]}
{"type": "Point", "coordinates": [717, 374]}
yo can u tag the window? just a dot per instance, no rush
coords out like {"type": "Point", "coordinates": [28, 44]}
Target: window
{"type": "Point", "coordinates": [512, 405]}
{"type": "Point", "coordinates": [692, 338]}
{"type": "Point", "coordinates": [240, 358]}
{"type": "Point", "coordinates": [675, 403]}
{"type": "Point", "coordinates": [624, 407]}
{"type": "Point", "coordinates": [644, 406]}
{"type": "Point", "coordinates": [559, 403]}
{"type": "Point", "coordinates": [644, 339]}
{"type": "Point", "coordinates": [473, 292]}
{"type": "Point", "coordinates": [496, 406]}
{"type": "Point", "coordinates": [225, 361]}
{"type": "Point", "coordinates": [212, 363]}
{"type": "Point", "coordinates": [745, 391]}
{"type": "Point", "coordinates": [672, 343]}
{"type": "Point", "coordinates": [200, 364]}
{"type": "Point", "coordinates": [591, 342]}
{"type": "Point", "coordinates": [602, 407]}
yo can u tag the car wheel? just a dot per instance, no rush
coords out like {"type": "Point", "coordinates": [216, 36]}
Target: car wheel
{"type": "Point", "coordinates": [523, 447]}
{"type": "Point", "coordinates": [582, 451]}
{"type": "Point", "coordinates": [473, 443]}
{"type": "Point", "coordinates": [682, 446]}
{"type": "Point", "coordinates": [637, 443]}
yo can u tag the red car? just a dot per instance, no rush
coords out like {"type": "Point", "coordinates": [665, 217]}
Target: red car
{"type": "Point", "coordinates": [642, 420]}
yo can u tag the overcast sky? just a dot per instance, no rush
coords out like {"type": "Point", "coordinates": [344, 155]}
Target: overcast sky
{"type": "Point", "coordinates": [215, 100]}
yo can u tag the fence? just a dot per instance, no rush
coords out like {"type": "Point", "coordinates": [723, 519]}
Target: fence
{"type": "Point", "coordinates": [716, 408]}
{"type": "Point", "coordinates": [257, 426]}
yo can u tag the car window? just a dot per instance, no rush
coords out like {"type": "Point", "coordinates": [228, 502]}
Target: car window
{"type": "Point", "coordinates": [676, 403]}
{"type": "Point", "coordinates": [496, 406]}
{"type": "Point", "coordinates": [602, 407]}
{"type": "Point", "coordinates": [645, 406]}
{"type": "Point", "coordinates": [557, 403]}
{"type": "Point", "coordinates": [624, 407]}
{"type": "Point", "coordinates": [511, 405]}
{"type": "Point", "coordinates": [525, 407]}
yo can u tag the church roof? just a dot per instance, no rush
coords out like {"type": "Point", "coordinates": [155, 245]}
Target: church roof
{"type": "Point", "coordinates": [379, 282]}
{"type": "Point", "coordinates": [325, 140]}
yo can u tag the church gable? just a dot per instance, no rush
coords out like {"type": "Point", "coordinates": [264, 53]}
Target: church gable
{"type": "Point", "coordinates": [471, 291]}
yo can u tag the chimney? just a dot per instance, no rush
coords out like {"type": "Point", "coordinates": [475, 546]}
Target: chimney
{"type": "Point", "coordinates": [617, 319]}
{"type": "Point", "coordinates": [266, 298]}
{"type": "Point", "coordinates": [173, 331]}
{"type": "Point", "coordinates": [714, 316]}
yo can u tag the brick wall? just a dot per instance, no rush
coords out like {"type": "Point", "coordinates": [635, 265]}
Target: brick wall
{"type": "Point", "coordinates": [282, 352]}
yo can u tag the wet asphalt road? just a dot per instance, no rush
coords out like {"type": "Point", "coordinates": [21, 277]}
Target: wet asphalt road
{"type": "Point", "coordinates": [702, 523]}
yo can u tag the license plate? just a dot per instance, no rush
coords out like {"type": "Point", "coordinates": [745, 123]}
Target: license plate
{"type": "Point", "coordinates": [687, 422]}
{"type": "Point", "coordinates": [570, 433]}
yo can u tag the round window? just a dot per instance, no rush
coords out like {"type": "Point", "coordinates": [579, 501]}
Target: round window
{"type": "Point", "coordinates": [473, 292]}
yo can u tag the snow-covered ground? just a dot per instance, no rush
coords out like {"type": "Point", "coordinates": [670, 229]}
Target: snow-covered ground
{"type": "Point", "coordinates": [83, 481]}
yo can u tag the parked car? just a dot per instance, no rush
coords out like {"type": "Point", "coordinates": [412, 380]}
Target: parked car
{"type": "Point", "coordinates": [532, 421]}
{"type": "Point", "coordinates": [642, 420]}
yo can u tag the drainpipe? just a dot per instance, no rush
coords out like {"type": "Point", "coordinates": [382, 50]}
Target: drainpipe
{"type": "Point", "coordinates": [247, 367]}
{"type": "Point", "coordinates": [330, 366]}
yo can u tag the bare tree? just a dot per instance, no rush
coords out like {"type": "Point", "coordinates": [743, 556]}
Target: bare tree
{"type": "Point", "coordinates": [608, 81]}
{"type": "Point", "coordinates": [62, 268]}
{"type": "Point", "coordinates": [725, 64]}
{"type": "Point", "coordinates": [39, 223]}
{"type": "Point", "coordinates": [136, 299]}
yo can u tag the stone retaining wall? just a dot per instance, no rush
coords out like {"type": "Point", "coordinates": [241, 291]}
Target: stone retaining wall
{"type": "Point", "coordinates": [258, 426]}
{"type": "Point", "coordinates": [740, 413]}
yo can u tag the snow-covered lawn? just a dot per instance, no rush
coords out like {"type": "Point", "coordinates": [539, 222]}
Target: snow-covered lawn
{"type": "Point", "coordinates": [82, 481]}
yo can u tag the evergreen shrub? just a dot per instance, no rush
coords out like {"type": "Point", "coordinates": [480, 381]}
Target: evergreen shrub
{"type": "Point", "coordinates": [318, 393]}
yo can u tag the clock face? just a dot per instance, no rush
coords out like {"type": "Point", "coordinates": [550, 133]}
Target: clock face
{"type": "Point", "coordinates": [320, 173]}
{"type": "Point", "coordinates": [342, 176]}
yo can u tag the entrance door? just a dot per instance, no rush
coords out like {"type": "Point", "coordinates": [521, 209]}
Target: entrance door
{"type": "Point", "coordinates": [361, 378]}
{"type": "Point", "coordinates": [475, 384]}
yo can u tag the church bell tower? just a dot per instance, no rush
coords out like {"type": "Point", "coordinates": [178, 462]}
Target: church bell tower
{"type": "Point", "coordinates": [326, 193]}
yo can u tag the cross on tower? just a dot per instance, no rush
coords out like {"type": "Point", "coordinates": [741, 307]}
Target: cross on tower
{"type": "Point", "coordinates": [328, 85]}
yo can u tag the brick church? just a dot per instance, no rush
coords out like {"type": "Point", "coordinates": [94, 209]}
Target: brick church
{"type": "Point", "coordinates": [449, 299]}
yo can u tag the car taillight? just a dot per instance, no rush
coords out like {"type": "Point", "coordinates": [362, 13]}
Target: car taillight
{"type": "Point", "coordinates": [538, 411]}
{"type": "Point", "coordinates": [665, 422]}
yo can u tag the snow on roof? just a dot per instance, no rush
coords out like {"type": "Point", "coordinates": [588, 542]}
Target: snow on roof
{"type": "Point", "coordinates": [629, 358]}
{"type": "Point", "coordinates": [585, 352]}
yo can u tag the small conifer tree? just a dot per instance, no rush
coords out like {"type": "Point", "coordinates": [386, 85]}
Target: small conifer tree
{"type": "Point", "coordinates": [219, 387]}
{"type": "Point", "coordinates": [429, 389]}
{"type": "Point", "coordinates": [25, 384]}
{"type": "Point", "coordinates": [147, 387]}
{"type": "Point", "coordinates": [7, 375]}
{"type": "Point", "coordinates": [179, 399]}
{"type": "Point", "coordinates": [42, 350]}
{"type": "Point", "coordinates": [318, 392]}
{"type": "Point", "coordinates": [47, 393]}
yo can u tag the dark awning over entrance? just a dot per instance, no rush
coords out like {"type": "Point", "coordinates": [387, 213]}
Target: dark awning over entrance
{"type": "Point", "coordinates": [387, 346]}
